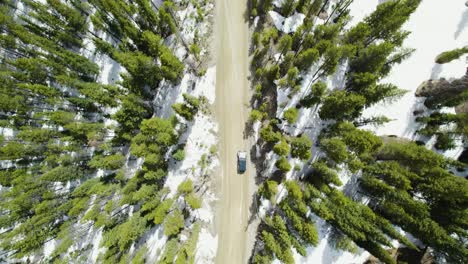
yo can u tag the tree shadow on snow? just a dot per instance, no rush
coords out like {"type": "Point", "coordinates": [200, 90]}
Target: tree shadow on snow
{"type": "Point", "coordinates": [436, 71]}
{"type": "Point", "coordinates": [462, 25]}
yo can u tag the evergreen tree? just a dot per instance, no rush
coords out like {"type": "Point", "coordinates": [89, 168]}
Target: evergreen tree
{"type": "Point", "coordinates": [340, 105]}
{"type": "Point", "coordinates": [301, 147]}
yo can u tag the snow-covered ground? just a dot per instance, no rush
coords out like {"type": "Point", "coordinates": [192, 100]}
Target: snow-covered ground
{"type": "Point", "coordinates": [436, 26]}
{"type": "Point", "coordinates": [289, 24]}
{"type": "Point", "coordinates": [200, 137]}
{"type": "Point", "coordinates": [201, 133]}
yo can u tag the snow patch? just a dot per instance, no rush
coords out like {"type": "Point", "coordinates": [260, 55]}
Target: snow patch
{"type": "Point", "coordinates": [430, 37]}
{"type": "Point", "coordinates": [278, 3]}
{"type": "Point", "coordinates": [205, 213]}
{"type": "Point", "coordinates": [289, 24]}
{"type": "Point", "coordinates": [206, 247]}
{"type": "Point", "coordinates": [49, 247]}
{"type": "Point", "coordinates": [156, 242]}
{"type": "Point", "coordinates": [202, 136]}
{"type": "Point", "coordinates": [265, 206]}
{"type": "Point", "coordinates": [96, 246]}
{"type": "Point", "coordinates": [207, 85]}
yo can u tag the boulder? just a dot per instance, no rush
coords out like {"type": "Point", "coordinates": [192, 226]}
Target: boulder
{"type": "Point", "coordinates": [442, 86]}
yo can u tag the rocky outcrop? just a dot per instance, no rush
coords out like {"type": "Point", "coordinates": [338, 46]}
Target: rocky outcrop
{"type": "Point", "coordinates": [441, 92]}
{"type": "Point", "coordinates": [442, 87]}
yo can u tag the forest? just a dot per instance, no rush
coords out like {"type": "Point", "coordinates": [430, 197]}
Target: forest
{"type": "Point", "coordinates": [402, 187]}
{"type": "Point", "coordinates": [79, 153]}
{"type": "Point", "coordinates": [86, 155]}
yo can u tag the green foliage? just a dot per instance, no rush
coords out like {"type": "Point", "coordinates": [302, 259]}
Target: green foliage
{"type": "Point", "coordinates": [285, 43]}
{"type": "Point", "coordinates": [341, 105]}
{"type": "Point", "coordinates": [385, 22]}
{"type": "Point", "coordinates": [283, 164]}
{"type": "Point", "coordinates": [171, 67]}
{"type": "Point", "coordinates": [173, 223]}
{"type": "Point", "coordinates": [318, 91]}
{"type": "Point", "coordinates": [63, 174]}
{"type": "Point", "coordinates": [111, 162]}
{"type": "Point", "coordinates": [189, 108]}
{"type": "Point", "coordinates": [358, 34]}
{"type": "Point", "coordinates": [291, 115]}
{"type": "Point", "coordinates": [365, 84]}
{"type": "Point", "coordinates": [306, 58]}
{"type": "Point", "coordinates": [342, 242]}
{"type": "Point", "coordinates": [161, 210]}
{"type": "Point", "coordinates": [256, 115]}
{"type": "Point", "coordinates": [170, 252]}
{"type": "Point", "coordinates": [193, 201]}
{"type": "Point", "coordinates": [292, 76]}
{"type": "Point", "coordinates": [282, 148]}
{"type": "Point", "coordinates": [310, 234]}
{"type": "Point", "coordinates": [139, 257]}
{"type": "Point", "coordinates": [130, 116]}
{"type": "Point", "coordinates": [57, 107]}
{"type": "Point", "coordinates": [294, 190]}
{"type": "Point", "coordinates": [446, 126]}
{"type": "Point", "coordinates": [407, 169]}
{"type": "Point", "coordinates": [185, 187]}
{"type": "Point", "coordinates": [142, 70]}
{"type": "Point", "coordinates": [187, 252]}
{"type": "Point", "coordinates": [448, 56]}
{"type": "Point", "coordinates": [301, 147]}
{"type": "Point", "coordinates": [324, 174]}
{"type": "Point", "coordinates": [268, 189]}
{"type": "Point", "coordinates": [195, 50]}
{"type": "Point", "coordinates": [155, 137]}
{"type": "Point", "coordinates": [335, 149]}
{"type": "Point", "coordinates": [122, 236]}
{"type": "Point", "coordinates": [179, 155]}
{"type": "Point", "coordinates": [372, 58]}
{"type": "Point", "coordinates": [272, 73]}
{"type": "Point", "coordinates": [444, 142]}
{"type": "Point", "coordinates": [360, 142]}
{"type": "Point", "coordinates": [269, 136]}
{"type": "Point", "coordinates": [288, 7]}
{"type": "Point", "coordinates": [13, 150]}
{"type": "Point", "coordinates": [356, 221]}
{"type": "Point", "coordinates": [269, 34]}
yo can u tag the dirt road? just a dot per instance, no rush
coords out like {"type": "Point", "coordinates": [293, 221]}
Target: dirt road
{"type": "Point", "coordinates": [232, 98]}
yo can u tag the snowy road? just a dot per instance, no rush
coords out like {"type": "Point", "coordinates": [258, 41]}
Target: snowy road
{"type": "Point", "coordinates": [232, 97]}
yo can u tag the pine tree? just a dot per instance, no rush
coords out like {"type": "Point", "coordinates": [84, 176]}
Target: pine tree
{"type": "Point", "coordinates": [301, 147]}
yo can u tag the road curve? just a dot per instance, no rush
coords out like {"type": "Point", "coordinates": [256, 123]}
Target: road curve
{"type": "Point", "coordinates": [232, 100]}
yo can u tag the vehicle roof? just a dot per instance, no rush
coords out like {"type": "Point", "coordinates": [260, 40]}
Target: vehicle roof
{"type": "Point", "coordinates": [242, 154]}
